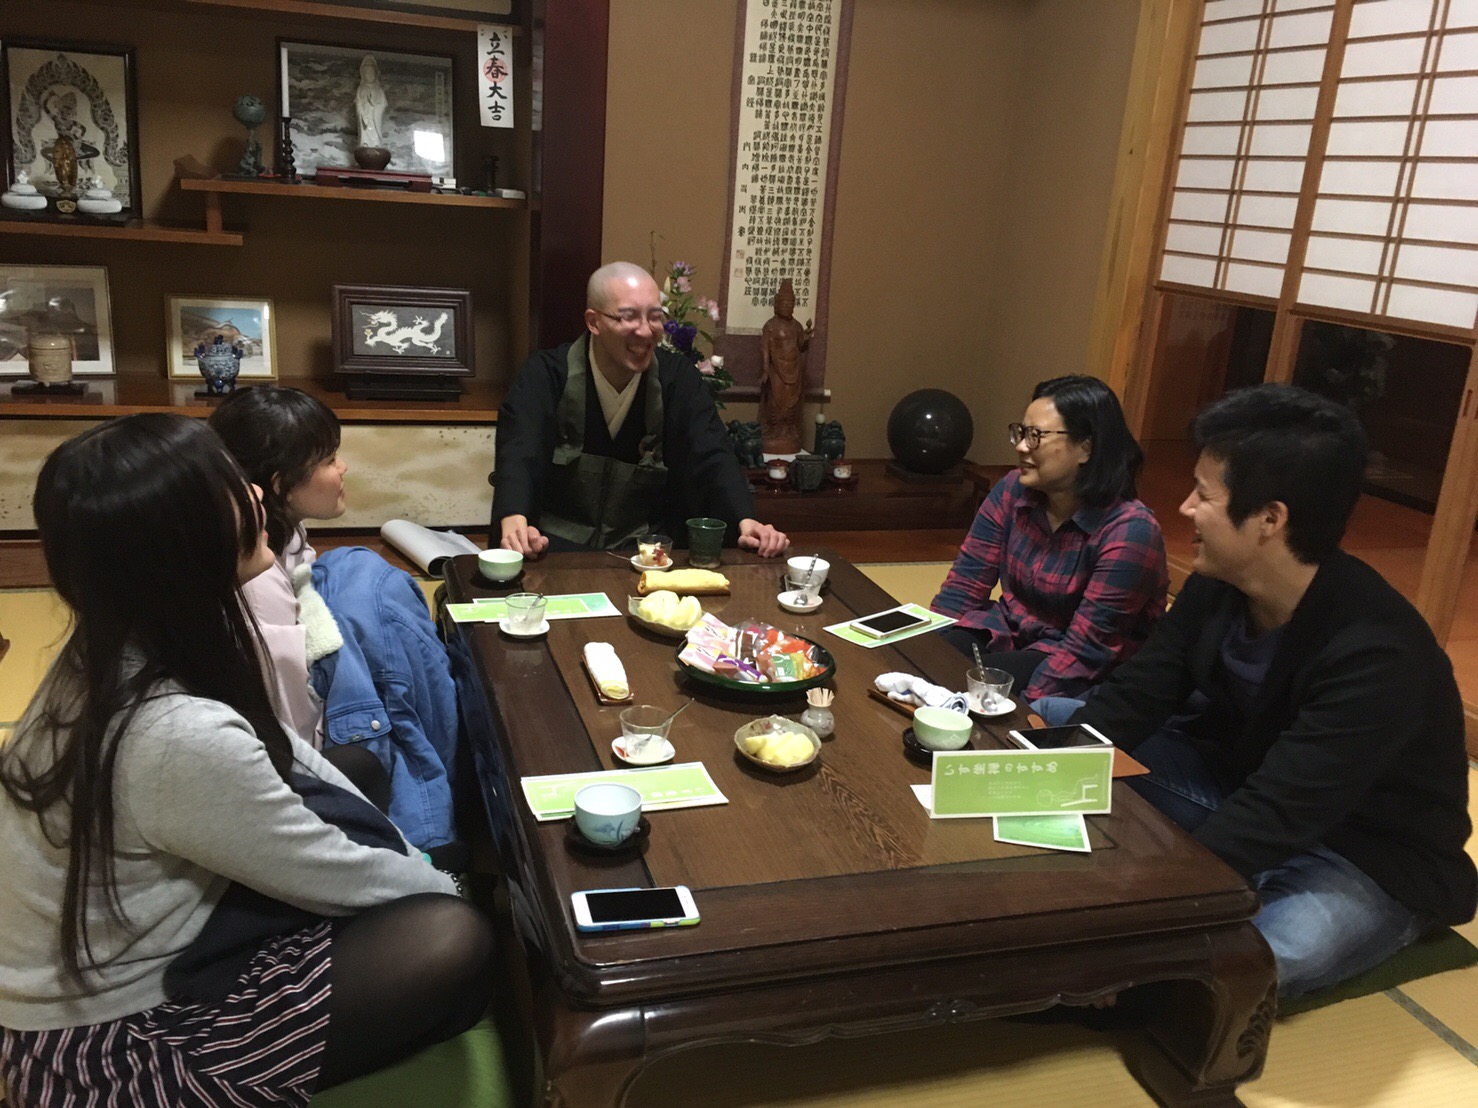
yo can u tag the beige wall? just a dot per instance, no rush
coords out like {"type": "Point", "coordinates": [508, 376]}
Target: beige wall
{"type": "Point", "coordinates": [976, 163]}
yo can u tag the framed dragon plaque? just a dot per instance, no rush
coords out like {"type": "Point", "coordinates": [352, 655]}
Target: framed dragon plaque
{"type": "Point", "coordinates": [402, 343]}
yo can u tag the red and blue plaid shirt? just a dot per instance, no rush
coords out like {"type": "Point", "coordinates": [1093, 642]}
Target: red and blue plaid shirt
{"type": "Point", "coordinates": [1086, 594]}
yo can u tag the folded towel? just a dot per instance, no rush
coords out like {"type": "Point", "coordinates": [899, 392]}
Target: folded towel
{"type": "Point", "coordinates": [606, 668]}
{"type": "Point", "coordinates": [906, 688]}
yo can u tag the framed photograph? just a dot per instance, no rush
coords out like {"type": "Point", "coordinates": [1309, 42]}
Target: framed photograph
{"type": "Point", "coordinates": [194, 321]}
{"type": "Point", "coordinates": [84, 91]}
{"type": "Point", "coordinates": [339, 98]}
{"type": "Point", "coordinates": [385, 329]}
{"type": "Point", "coordinates": [56, 299]}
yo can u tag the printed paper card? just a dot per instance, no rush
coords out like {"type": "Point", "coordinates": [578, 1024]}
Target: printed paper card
{"type": "Point", "coordinates": [1064, 832]}
{"type": "Point", "coordinates": [586, 605]}
{"type": "Point", "coordinates": [862, 638]}
{"type": "Point", "coordinates": [1022, 782]}
{"type": "Point", "coordinates": [684, 785]}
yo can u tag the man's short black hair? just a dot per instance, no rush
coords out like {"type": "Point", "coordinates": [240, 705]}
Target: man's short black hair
{"type": "Point", "coordinates": [1090, 411]}
{"type": "Point", "coordinates": [1284, 443]}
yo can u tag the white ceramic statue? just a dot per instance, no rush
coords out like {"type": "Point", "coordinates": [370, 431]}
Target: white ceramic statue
{"type": "Point", "coordinates": [369, 104]}
{"type": "Point", "coordinates": [96, 199]}
{"type": "Point", "coordinates": [22, 196]}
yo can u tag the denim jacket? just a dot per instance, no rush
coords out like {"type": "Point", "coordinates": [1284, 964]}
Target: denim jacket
{"type": "Point", "coordinates": [389, 687]}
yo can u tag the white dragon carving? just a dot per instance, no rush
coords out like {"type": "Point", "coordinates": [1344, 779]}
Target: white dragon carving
{"type": "Point", "coordinates": [383, 329]}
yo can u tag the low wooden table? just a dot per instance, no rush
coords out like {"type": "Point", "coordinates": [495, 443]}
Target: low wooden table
{"type": "Point", "coordinates": [831, 903]}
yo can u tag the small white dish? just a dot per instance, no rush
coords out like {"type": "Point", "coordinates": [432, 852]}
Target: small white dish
{"type": "Point", "coordinates": [507, 629]}
{"type": "Point", "coordinates": [665, 753]}
{"type": "Point", "coordinates": [793, 600]}
{"type": "Point", "coordinates": [641, 566]}
{"type": "Point", "coordinates": [1007, 707]}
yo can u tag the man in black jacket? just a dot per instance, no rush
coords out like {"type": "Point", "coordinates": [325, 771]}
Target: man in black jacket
{"type": "Point", "coordinates": [1297, 714]}
{"type": "Point", "coordinates": [610, 436]}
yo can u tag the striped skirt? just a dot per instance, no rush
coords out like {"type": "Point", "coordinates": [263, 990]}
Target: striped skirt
{"type": "Point", "coordinates": [262, 1045]}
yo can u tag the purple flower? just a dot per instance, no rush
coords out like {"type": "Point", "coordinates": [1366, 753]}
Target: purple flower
{"type": "Point", "coordinates": [671, 326]}
{"type": "Point", "coordinates": [682, 269]}
{"type": "Point", "coordinates": [683, 337]}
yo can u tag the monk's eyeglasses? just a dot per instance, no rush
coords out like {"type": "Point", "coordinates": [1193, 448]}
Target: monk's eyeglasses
{"type": "Point", "coordinates": [629, 318]}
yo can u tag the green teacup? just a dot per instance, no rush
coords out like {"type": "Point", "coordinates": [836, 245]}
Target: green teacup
{"type": "Point", "coordinates": [941, 729]}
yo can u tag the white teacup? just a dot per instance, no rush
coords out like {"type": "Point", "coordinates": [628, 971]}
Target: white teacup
{"type": "Point", "coordinates": [802, 577]}
{"type": "Point", "coordinates": [607, 814]}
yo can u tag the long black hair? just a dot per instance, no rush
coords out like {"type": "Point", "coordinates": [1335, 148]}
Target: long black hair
{"type": "Point", "coordinates": [143, 523]}
{"type": "Point", "coordinates": [279, 436]}
{"type": "Point", "coordinates": [1091, 411]}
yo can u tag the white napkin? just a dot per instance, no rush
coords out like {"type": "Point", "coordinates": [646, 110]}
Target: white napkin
{"type": "Point", "coordinates": [906, 688]}
{"type": "Point", "coordinates": [606, 668]}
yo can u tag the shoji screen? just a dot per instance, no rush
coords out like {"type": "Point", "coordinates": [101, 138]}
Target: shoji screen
{"type": "Point", "coordinates": [1246, 141]}
{"type": "Point", "coordinates": [1394, 232]}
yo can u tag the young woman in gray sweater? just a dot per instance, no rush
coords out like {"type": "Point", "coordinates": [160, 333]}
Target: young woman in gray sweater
{"type": "Point", "coordinates": [151, 803]}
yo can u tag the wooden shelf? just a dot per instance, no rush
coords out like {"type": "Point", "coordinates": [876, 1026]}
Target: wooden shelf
{"type": "Point", "coordinates": [310, 9]}
{"type": "Point", "coordinates": [115, 396]}
{"type": "Point", "coordinates": [216, 186]}
{"type": "Point", "coordinates": [138, 230]}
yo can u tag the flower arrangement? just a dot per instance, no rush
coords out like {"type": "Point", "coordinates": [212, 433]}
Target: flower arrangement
{"type": "Point", "coordinates": [685, 328]}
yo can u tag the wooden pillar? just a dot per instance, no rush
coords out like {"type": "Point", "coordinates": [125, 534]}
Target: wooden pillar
{"type": "Point", "coordinates": [569, 163]}
{"type": "Point", "coordinates": [1163, 48]}
{"type": "Point", "coordinates": [1452, 526]}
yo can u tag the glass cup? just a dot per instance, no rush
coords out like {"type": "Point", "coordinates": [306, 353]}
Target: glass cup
{"type": "Point", "coordinates": [526, 611]}
{"type": "Point", "coordinates": [644, 727]}
{"type": "Point", "coordinates": [654, 551]}
{"type": "Point", "coordinates": [989, 689]}
{"type": "Point", "coordinates": [705, 541]}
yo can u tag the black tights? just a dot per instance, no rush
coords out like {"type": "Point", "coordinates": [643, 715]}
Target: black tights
{"type": "Point", "coordinates": [406, 975]}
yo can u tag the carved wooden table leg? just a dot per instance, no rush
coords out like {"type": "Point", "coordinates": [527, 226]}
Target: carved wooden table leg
{"type": "Point", "coordinates": [592, 1057]}
{"type": "Point", "coordinates": [1214, 1032]}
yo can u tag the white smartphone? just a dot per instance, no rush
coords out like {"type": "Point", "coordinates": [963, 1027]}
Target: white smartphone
{"type": "Point", "coordinates": [634, 909]}
{"type": "Point", "coordinates": [1059, 738]}
{"type": "Point", "coordinates": [889, 623]}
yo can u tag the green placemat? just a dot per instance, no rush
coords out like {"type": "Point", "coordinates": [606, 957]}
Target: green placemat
{"type": "Point", "coordinates": [1444, 951]}
{"type": "Point", "coordinates": [465, 1072]}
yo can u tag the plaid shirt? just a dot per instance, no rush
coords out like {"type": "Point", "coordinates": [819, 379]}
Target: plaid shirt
{"type": "Point", "coordinates": [1086, 594]}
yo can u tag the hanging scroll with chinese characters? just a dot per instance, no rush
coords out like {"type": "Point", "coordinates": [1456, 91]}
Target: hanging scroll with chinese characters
{"type": "Point", "coordinates": [495, 75]}
{"type": "Point", "coordinates": [789, 83]}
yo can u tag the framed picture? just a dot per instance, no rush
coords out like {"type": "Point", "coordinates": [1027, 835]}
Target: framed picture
{"type": "Point", "coordinates": [84, 91]}
{"type": "Point", "coordinates": [56, 299]}
{"type": "Point", "coordinates": [385, 329]}
{"type": "Point", "coordinates": [338, 98]}
{"type": "Point", "coordinates": [194, 321]}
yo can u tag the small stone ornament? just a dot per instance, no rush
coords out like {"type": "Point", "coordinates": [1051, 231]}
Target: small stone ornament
{"type": "Point", "coordinates": [817, 715]}
{"type": "Point", "coordinates": [219, 362]}
{"type": "Point", "coordinates": [23, 196]}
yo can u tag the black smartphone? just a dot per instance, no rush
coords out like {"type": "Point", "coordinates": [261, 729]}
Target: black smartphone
{"type": "Point", "coordinates": [1059, 738]}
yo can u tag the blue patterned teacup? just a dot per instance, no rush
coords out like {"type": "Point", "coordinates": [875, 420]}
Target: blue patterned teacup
{"type": "Point", "coordinates": [607, 814]}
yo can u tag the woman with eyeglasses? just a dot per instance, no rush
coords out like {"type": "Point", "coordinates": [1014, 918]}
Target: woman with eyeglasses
{"type": "Point", "coordinates": [1079, 560]}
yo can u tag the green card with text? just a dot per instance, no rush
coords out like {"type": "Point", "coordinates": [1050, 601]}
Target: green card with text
{"type": "Point", "coordinates": [1022, 782]}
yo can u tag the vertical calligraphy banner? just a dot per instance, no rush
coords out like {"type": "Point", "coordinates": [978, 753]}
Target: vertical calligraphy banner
{"type": "Point", "coordinates": [495, 75]}
{"type": "Point", "coordinates": [790, 77]}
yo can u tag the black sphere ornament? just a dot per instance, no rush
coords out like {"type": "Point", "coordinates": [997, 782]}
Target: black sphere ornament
{"type": "Point", "coordinates": [930, 431]}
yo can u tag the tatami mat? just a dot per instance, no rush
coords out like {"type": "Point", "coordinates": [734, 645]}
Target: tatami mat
{"type": "Point", "coordinates": [1367, 1053]}
{"type": "Point", "coordinates": [35, 622]}
{"type": "Point", "coordinates": [909, 582]}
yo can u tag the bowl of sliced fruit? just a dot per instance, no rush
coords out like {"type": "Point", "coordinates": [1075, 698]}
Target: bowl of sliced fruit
{"type": "Point", "coordinates": [777, 744]}
{"type": "Point", "coordinates": [665, 612]}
